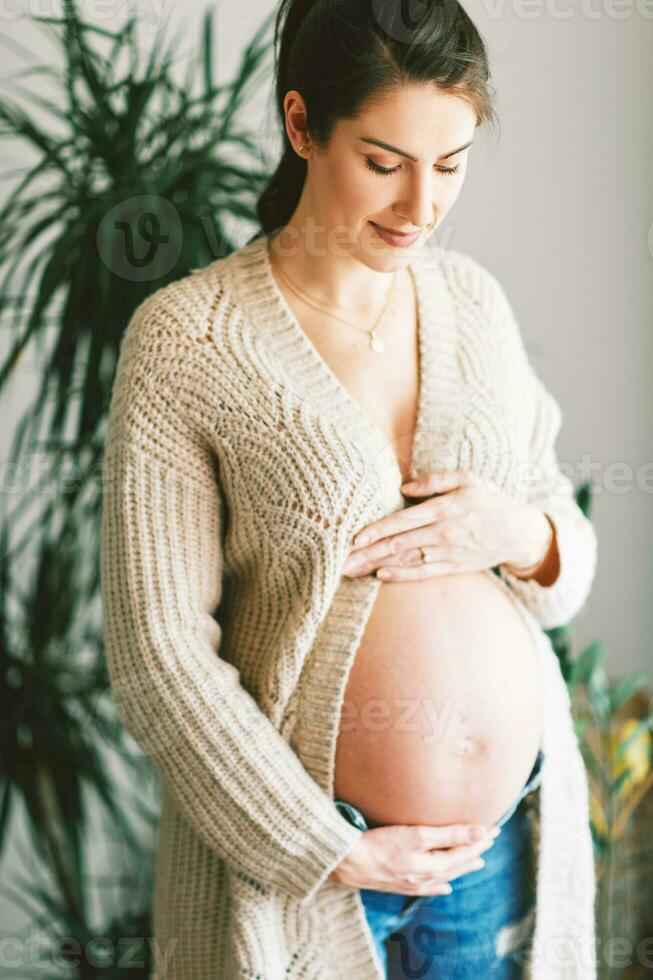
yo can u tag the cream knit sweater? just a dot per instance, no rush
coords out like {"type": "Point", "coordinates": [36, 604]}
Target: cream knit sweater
{"type": "Point", "coordinates": [237, 470]}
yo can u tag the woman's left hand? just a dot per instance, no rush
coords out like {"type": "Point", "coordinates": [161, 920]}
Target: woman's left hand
{"type": "Point", "coordinates": [465, 525]}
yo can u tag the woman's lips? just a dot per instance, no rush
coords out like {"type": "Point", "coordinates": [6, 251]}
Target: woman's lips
{"type": "Point", "coordinates": [401, 241]}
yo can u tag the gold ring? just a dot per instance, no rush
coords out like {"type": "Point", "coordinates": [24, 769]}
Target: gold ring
{"type": "Point", "coordinates": [425, 557]}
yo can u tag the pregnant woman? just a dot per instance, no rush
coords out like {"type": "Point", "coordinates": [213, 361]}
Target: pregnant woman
{"type": "Point", "coordinates": [367, 750]}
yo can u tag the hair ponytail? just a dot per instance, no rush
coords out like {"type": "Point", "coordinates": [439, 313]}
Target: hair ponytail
{"type": "Point", "coordinates": [282, 192]}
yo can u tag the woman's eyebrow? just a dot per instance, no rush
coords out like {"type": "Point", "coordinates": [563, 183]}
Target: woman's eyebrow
{"type": "Point", "coordinates": [395, 149]}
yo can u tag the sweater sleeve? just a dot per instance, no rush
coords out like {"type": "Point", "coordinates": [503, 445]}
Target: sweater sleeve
{"type": "Point", "coordinates": [545, 485]}
{"type": "Point", "coordinates": [231, 773]}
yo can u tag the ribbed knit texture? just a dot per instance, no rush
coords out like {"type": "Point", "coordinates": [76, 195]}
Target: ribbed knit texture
{"type": "Point", "coordinates": [237, 470]}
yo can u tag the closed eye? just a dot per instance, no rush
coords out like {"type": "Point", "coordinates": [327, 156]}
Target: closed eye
{"type": "Point", "coordinates": [388, 171]}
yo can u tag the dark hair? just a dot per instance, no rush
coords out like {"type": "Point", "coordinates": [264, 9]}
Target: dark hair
{"type": "Point", "coordinates": [342, 54]}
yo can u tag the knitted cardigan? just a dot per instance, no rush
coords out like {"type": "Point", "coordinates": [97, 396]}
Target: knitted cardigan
{"type": "Point", "coordinates": [237, 469]}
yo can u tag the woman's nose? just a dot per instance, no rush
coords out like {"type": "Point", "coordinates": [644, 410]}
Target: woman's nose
{"type": "Point", "coordinates": [420, 213]}
{"type": "Point", "coordinates": [418, 208]}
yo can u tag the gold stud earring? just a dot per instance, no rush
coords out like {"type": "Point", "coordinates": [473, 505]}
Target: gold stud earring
{"type": "Point", "coordinates": [301, 148]}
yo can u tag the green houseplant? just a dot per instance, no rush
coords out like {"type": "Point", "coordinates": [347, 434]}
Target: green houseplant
{"type": "Point", "coordinates": [614, 723]}
{"type": "Point", "coordinates": [139, 177]}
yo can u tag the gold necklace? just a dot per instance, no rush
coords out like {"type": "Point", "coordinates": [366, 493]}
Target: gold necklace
{"type": "Point", "coordinates": [376, 344]}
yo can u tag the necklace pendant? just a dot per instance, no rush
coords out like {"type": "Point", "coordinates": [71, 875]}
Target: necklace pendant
{"type": "Point", "coordinates": [376, 344]}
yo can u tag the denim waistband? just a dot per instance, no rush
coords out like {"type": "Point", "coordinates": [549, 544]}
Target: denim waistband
{"type": "Point", "coordinates": [533, 781]}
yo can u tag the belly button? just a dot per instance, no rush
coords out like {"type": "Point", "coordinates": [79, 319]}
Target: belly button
{"type": "Point", "coordinates": [469, 748]}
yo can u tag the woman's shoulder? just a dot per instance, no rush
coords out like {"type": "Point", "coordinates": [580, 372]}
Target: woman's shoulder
{"type": "Point", "coordinates": [202, 305]}
{"type": "Point", "coordinates": [182, 311]}
{"type": "Point", "coordinates": [468, 277]}
{"type": "Point", "coordinates": [190, 321]}
{"type": "Point", "coordinates": [492, 322]}
{"type": "Point", "coordinates": [480, 300]}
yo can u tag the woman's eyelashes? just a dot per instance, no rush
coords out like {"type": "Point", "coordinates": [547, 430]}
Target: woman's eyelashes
{"type": "Point", "coordinates": [388, 171]}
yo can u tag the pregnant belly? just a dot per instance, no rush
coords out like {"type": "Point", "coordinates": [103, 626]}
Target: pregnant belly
{"type": "Point", "coordinates": [442, 714]}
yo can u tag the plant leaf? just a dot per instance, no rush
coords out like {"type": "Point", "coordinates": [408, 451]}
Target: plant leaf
{"type": "Point", "coordinates": [586, 663]}
{"type": "Point", "coordinates": [626, 688]}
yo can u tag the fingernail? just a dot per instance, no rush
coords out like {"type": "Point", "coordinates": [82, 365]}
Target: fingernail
{"type": "Point", "coordinates": [477, 833]}
{"type": "Point", "coordinates": [352, 565]}
{"type": "Point", "coordinates": [495, 831]}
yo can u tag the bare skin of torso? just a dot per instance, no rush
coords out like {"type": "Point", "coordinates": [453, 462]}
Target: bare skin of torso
{"type": "Point", "coordinates": [442, 713]}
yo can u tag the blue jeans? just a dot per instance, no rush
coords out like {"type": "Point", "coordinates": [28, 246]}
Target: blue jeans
{"type": "Point", "coordinates": [482, 929]}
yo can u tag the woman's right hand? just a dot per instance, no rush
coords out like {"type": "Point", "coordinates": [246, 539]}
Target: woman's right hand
{"type": "Point", "coordinates": [410, 859]}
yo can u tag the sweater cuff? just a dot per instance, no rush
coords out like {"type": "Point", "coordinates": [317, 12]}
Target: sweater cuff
{"type": "Point", "coordinates": [556, 604]}
{"type": "Point", "coordinates": [328, 840]}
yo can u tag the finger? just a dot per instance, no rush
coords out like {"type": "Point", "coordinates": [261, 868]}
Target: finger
{"type": "Point", "coordinates": [465, 869]}
{"type": "Point", "coordinates": [408, 558]}
{"type": "Point", "coordinates": [458, 856]}
{"type": "Point", "coordinates": [397, 523]}
{"type": "Point", "coordinates": [428, 533]}
{"type": "Point", "coordinates": [438, 482]}
{"type": "Point", "coordinates": [404, 556]}
{"type": "Point", "coordinates": [429, 888]}
{"type": "Point", "coordinates": [437, 523]}
{"type": "Point", "coordinates": [426, 837]}
{"type": "Point", "coordinates": [396, 573]}
{"type": "Point", "coordinates": [450, 862]}
{"type": "Point", "coordinates": [433, 887]}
